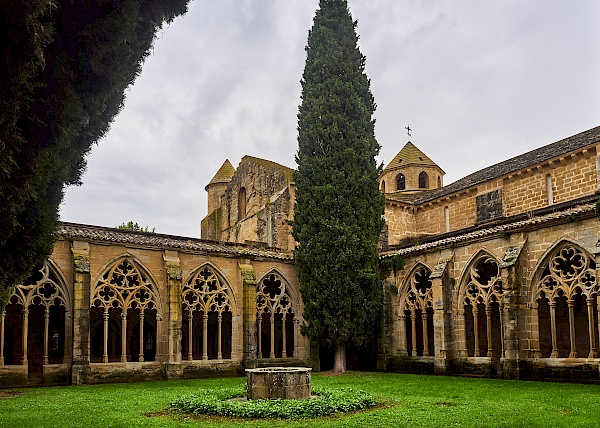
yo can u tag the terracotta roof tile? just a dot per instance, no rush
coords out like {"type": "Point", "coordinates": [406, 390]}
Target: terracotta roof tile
{"type": "Point", "coordinates": [107, 234]}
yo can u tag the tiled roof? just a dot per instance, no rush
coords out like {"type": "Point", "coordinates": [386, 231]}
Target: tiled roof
{"type": "Point", "coordinates": [224, 173]}
{"type": "Point", "coordinates": [517, 163]}
{"type": "Point", "coordinates": [107, 234]}
{"type": "Point", "coordinates": [410, 155]}
{"type": "Point", "coordinates": [491, 231]}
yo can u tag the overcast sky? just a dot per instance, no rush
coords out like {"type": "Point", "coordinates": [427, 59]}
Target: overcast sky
{"type": "Point", "coordinates": [477, 81]}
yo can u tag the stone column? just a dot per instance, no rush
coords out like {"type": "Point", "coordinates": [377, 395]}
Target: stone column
{"type": "Point", "coordinates": [81, 312]}
{"type": "Point", "coordinates": [511, 314]}
{"type": "Point", "coordinates": [250, 333]}
{"type": "Point", "coordinates": [443, 344]}
{"type": "Point", "coordinates": [173, 314]}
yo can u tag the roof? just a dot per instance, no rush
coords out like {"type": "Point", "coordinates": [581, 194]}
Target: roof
{"type": "Point", "coordinates": [570, 213]}
{"type": "Point", "coordinates": [533, 157]}
{"type": "Point", "coordinates": [121, 236]}
{"type": "Point", "coordinates": [410, 155]}
{"type": "Point", "coordinates": [224, 173]}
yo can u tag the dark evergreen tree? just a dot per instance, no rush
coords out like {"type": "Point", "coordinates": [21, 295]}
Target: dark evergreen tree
{"type": "Point", "coordinates": [64, 67]}
{"type": "Point", "coordinates": [338, 211]}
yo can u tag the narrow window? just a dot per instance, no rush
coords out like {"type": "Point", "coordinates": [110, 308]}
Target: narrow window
{"type": "Point", "coordinates": [383, 187]}
{"type": "Point", "coordinates": [549, 189]}
{"type": "Point", "coordinates": [242, 203]}
{"type": "Point", "coordinates": [439, 182]}
{"type": "Point", "coordinates": [401, 182]}
{"type": "Point", "coordinates": [447, 218]}
{"type": "Point", "coordinates": [423, 180]}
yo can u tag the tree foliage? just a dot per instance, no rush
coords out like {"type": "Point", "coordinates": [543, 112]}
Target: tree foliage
{"type": "Point", "coordinates": [338, 211]}
{"type": "Point", "coordinates": [130, 225]}
{"type": "Point", "coordinates": [64, 68]}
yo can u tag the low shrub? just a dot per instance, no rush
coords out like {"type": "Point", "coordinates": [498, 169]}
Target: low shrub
{"type": "Point", "coordinates": [221, 402]}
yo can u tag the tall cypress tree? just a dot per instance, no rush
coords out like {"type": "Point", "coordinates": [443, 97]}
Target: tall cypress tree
{"type": "Point", "coordinates": [338, 211]}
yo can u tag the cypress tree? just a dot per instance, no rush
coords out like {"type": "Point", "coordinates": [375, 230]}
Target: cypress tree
{"type": "Point", "coordinates": [338, 211]}
{"type": "Point", "coordinates": [64, 68]}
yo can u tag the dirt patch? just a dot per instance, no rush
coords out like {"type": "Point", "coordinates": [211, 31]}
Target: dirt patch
{"type": "Point", "coordinates": [155, 414]}
{"type": "Point", "coordinates": [8, 394]}
{"type": "Point", "coordinates": [331, 373]}
{"type": "Point", "coordinates": [445, 404]}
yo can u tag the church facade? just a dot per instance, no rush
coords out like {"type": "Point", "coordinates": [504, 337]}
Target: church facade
{"type": "Point", "coordinates": [494, 275]}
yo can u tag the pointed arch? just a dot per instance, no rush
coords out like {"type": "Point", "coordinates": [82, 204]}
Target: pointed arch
{"type": "Point", "coordinates": [277, 316]}
{"type": "Point", "coordinates": [565, 294]}
{"type": "Point", "coordinates": [125, 311]}
{"type": "Point", "coordinates": [416, 312]}
{"type": "Point", "coordinates": [209, 303]}
{"type": "Point", "coordinates": [480, 307]}
{"type": "Point", "coordinates": [423, 180]}
{"type": "Point", "coordinates": [38, 320]}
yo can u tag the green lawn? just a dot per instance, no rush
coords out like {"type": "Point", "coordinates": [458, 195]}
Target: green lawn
{"type": "Point", "coordinates": [411, 400]}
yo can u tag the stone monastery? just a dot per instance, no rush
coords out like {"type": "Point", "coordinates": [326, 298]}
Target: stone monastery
{"type": "Point", "coordinates": [494, 274]}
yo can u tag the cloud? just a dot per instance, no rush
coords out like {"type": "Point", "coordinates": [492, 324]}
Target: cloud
{"type": "Point", "coordinates": [478, 82]}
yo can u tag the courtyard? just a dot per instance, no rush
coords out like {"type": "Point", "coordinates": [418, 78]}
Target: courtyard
{"type": "Point", "coordinates": [404, 400]}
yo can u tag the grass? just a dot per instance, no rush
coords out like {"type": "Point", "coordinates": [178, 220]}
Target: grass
{"type": "Point", "coordinates": [409, 401]}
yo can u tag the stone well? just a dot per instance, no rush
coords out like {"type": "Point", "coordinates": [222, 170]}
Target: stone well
{"type": "Point", "coordinates": [292, 383]}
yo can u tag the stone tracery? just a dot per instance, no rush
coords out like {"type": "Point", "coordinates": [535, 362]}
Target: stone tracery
{"type": "Point", "coordinates": [209, 304]}
{"type": "Point", "coordinates": [43, 296]}
{"type": "Point", "coordinates": [277, 324]}
{"type": "Point", "coordinates": [482, 306]}
{"type": "Point", "coordinates": [416, 312]}
{"type": "Point", "coordinates": [566, 302]}
{"type": "Point", "coordinates": [124, 291]}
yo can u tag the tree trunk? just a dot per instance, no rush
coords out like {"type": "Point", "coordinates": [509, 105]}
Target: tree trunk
{"type": "Point", "coordinates": [339, 365]}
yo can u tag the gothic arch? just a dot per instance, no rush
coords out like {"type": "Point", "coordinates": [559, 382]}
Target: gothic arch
{"type": "Point", "coordinates": [277, 316]}
{"type": "Point", "coordinates": [564, 295]}
{"type": "Point", "coordinates": [479, 307]}
{"type": "Point", "coordinates": [125, 291]}
{"type": "Point", "coordinates": [209, 302]}
{"type": "Point", "coordinates": [37, 320]}
{"type": "Point", "coordinates": [416, 312]}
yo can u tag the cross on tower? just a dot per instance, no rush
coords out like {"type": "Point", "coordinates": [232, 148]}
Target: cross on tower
{"type": "Point", "coordinates": [408, 131]}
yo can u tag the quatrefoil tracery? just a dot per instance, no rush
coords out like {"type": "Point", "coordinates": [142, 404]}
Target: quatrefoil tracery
{"type": "Point", "coordinates": [45, 291]}
{"type": "Point", "coordinates": [124, 286]}
{"type": "Point", "coordinates": [205, 292]}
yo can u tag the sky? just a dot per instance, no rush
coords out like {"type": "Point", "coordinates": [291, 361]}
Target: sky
{"type": "Point", "coordinates": [477, 81]}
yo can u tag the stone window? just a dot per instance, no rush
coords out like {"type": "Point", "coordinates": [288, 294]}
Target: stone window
{"type": "Point", "coordinates": [383, 186]}
{"type": "Point", "coordinates": [242, 203]}
{"type": "Point", "coordinates": [32, 327]}
{"type": "Point", "coordinates": [481, 304]}
{"type": "Point", "coordinates": [439, 182]}
{"type": "Point", "coordinates": [401, 182]}
{"type": "Point", "coordinates": [566, 305]}
{"type": "Point", "coordinates": [549, 191]}
{"type": "Point", "coordinates": [124, 314]}
{"type": "Point", "coordinates": [447, 218]}
{"type": "Point", "coordinates": [277, 323]}
{"type": "Point", "coordinates": [416, 314]}
{"type": "Point", "coordinates": [423, 180]}
{"type": "Point", "coordinates": [207, 307]}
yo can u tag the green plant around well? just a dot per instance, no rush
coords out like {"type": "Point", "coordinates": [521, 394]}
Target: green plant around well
{"type": "Point", "coordinates": [325, 401]}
